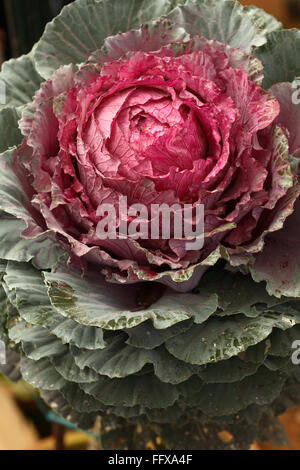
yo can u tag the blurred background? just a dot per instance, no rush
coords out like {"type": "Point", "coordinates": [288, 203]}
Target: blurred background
{"type": "Point", "coordinates": [24, 421]}
{"type": "Point", "coordinates": [22, 23]}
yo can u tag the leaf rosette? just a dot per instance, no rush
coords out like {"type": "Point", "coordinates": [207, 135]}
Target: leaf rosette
{"type": "Point", "coordinates": [170, 102]}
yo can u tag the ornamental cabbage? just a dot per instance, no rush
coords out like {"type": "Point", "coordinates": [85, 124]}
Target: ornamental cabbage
{"type": "Point", "coordinates": [154, 103]}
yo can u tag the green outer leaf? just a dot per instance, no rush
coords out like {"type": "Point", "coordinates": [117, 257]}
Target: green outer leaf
{"type": "Point", "coordinates": [228, 399]}
{"type": "Point", "coordinates": [257, 354]}
{"type": "Point", "coordinates": [20, 79]}
{"type": "Point", "coordinates": [224, 20]}
{"type": "Point", "coordinates": [229, 371]}
{"type": "Point", "coordinates": [264, 22]}
{"type": "Point", "coordinates": [261, 388]}
{"type": "Point", "coordinates": [41, 374]}
{"type": "Point", "coordinates": [71, 332]}
{"type": "Point", "coordinates": [119, 360]}
{"type": "Point", "coordinates": [42, 251]}
{"type": "Point", "coordinates": [80, 401]}
{"type": "Point", "coordinates": [21, 278]}
{"type": "Point", "coordinates": [132, 391]}
{"type": "Point", "coordinates": [82, 27]}
{"type": "Point", "coordinates": [277, 363]}
{"type": "Point", "coordinates": [281, 342]}
{"type": "Point", "coordinates": [37, 342]}
{"type": "Point", "coordinates": [15, 199]}
{"type": "Point", "coordinates": [223, 338]}
{"type": "Point", "coordinates": [280, 57]}
{"type": "Point", "coordinates": [236, 293]}
{"type": "Point", "coordinates": [102, 307]}
{"type": "Point", "coordinates": [10, 133]}
{"type": "Point", "coordinates": [146, 337]}
{"type": "Point", "coordinates": [15, 193]}
{"type": "Point", "coordinates": [67, 368]}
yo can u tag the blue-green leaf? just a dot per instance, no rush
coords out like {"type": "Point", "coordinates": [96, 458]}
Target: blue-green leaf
{"type": "Point", "coordinates": [82, 27]}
